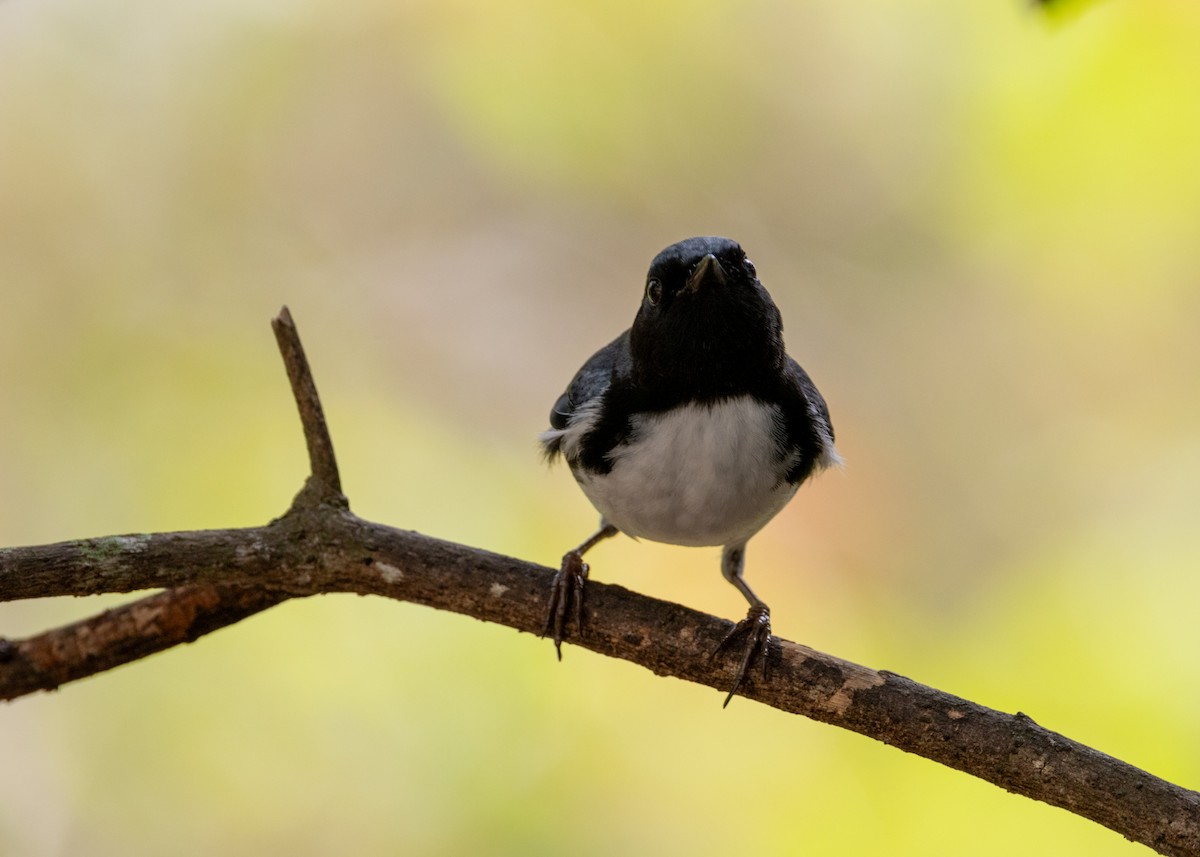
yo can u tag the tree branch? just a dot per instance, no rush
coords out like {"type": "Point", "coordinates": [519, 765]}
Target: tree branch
{"type": "Point", "coordinates": [174, 616]}
{"type": "Point", "coordinates": [216, 577]}
{"type": "Point", "coordinates": [312, 416]}
{"type": "Point", "coordinates": [124, 634]}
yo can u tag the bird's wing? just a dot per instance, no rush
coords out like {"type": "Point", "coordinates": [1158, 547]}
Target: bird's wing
{"type": "Point", "coordinates": [589, 383]}
{"type": "Point", "coordinates": [813, 435]}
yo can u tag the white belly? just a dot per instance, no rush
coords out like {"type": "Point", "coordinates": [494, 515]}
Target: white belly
{"type": "Point", "coordinates": [698, 475]}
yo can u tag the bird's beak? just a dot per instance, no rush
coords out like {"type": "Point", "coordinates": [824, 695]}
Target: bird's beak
{"type": "Point", "coordinates": [707, 268]}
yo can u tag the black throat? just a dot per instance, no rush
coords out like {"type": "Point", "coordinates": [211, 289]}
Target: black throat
{"type": "Point", "coordinates": [722, 347]}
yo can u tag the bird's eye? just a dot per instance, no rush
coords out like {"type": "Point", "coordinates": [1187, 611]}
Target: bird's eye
{"type": "Point", "coordinates": [654, 291]}
{"type": "Point", "coordinates": [749, 266]}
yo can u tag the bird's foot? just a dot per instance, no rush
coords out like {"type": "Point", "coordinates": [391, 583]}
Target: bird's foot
{"type": "Point", "coordinates": [756, 628]}
{"type": "Point", "coordinates": [567, 588]}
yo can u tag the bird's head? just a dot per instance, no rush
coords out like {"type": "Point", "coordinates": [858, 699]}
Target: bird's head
{"type": "Point", "coordinates": [705, 319]}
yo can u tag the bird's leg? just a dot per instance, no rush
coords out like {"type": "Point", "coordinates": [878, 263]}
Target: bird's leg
{"type": "Point", "coordinates": [568, 586]}
{"type": "Point", "coordinates": [756, 627]}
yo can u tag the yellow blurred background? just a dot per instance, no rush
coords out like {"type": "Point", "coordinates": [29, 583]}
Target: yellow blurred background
{"type": "Point", "coordinates": [982, 228]}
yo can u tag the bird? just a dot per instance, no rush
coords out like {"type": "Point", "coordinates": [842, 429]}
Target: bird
{"type": "Point", "coordinates": [693, 427]}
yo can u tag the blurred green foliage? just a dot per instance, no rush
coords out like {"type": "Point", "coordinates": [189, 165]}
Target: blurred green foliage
{"type": "Point", "coordinates": [981, 230]}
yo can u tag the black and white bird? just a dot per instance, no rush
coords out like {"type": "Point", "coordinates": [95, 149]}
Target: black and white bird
{"type": "Point", "coordinates": [693, 427]}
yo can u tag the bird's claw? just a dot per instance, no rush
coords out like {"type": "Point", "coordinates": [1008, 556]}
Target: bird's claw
{"type": "Point", "coordinates": [756, 627]}
{"type": "Point", "coordinates": [566, 588]}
